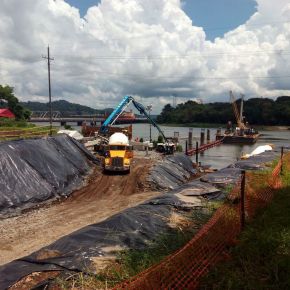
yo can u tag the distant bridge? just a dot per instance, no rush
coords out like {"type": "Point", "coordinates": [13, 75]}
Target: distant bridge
{"type": "Point", "coordinates": [43, 116]}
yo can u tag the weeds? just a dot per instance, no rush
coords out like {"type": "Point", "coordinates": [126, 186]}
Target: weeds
{"type": "Point", "coordinates": [262, 258]}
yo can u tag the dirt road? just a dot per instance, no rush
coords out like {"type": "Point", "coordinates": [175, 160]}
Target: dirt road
{"type": "Point", "coordinates": [103, 196]}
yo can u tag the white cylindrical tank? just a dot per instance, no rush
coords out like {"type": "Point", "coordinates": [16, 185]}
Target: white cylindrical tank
{"type": "Point", "coordinates": [119, 139]}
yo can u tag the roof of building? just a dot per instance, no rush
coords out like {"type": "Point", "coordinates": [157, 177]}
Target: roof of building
{"type": "Point", "coordinates": [6, 113]}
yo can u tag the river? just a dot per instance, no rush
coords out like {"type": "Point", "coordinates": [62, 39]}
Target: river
{"type": "Point", "coordinates": [218, 157]}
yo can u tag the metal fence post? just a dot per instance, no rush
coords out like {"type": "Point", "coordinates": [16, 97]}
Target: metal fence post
{"type": "Point", "coordinates": [243, 183]}
{"type": "Point", "coordinates": [282, 153]}
{"type": "Point", "coordinates": [186, 148]}
{"type": "Point", "coordinates": [196, 153]}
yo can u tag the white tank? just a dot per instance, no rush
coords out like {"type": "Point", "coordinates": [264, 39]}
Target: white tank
{"type": "Point", "coordinates": [118, 139]}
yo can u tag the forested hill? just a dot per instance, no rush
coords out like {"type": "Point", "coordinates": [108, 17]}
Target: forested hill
{"type": "Point", "coordinates": [258, 111]}
{"type": "Point", "coordinates": [66, 108]}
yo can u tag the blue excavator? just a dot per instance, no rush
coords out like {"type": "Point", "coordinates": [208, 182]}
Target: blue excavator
{"type": "Point", "coordinates": [168, 147]}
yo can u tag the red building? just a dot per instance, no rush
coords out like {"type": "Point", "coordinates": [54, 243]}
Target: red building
{"type": "Point", "coordinates": [6, 113]}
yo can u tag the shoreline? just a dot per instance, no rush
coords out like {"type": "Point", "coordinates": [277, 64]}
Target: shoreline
{"type": "Point", "coordinates": [209, 125]}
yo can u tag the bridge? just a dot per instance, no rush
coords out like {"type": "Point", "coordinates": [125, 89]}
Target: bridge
{"type": "Point", "coordinates": [43, 117]}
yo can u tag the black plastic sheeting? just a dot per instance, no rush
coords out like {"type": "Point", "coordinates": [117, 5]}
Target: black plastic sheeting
{"type": "Point", "coordinates": [133, 228]}
{"type": "Point", "coordinates": [199, 188]}
{"type": "Point", "coordinates": [223, 177]}
{"type": "Point", "coordinates": [231, 174]}
{"type": "Point", "coordinates": [256, 162]}
{"type": "Point", "coordinates": [171, 172]}
{"type": "Point", "coordinates": [36, 170]}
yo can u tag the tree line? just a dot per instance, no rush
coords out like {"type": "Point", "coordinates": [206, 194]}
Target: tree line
{"type": "Point", "coordinates": [8, 100]}
{"type": "Point", "coordinates": [257, 111]}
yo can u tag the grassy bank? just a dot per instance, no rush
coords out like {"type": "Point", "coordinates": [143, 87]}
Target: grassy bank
{"type": "Point", "coordinates": [129, 263]}
{"type": "Point", "coordinates": [262, 258]}
{"type": "Point", "coordinates": [13, 130]}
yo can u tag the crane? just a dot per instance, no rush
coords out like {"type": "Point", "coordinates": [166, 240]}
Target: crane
{"type": "Point", "coordinates": [238, 115]}
{"type": "Point", "coordinates": [126, 101]}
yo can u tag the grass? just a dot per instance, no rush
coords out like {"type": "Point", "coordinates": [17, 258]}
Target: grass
{"type": "Point", "coordinates": [261, 260]}
{"type": "Point", "coordinates": [131, 262]}
{"type": "Point", "coordinates": [13, 130]}
{"type": "Point", "coordinates": [6, 125]}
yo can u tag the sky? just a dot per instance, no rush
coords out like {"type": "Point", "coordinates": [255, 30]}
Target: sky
{"type": "Point", "coordinates": [228, 14]}
{"type": "Point", "coordinates": [150, 49]}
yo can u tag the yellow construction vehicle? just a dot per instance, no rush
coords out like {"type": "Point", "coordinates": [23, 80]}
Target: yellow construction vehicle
{"type": "Point", "coordinates": [118, 153]}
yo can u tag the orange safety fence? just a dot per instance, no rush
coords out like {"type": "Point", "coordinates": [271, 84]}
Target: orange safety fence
{"type": "Point", "coordinates": [185, 268]}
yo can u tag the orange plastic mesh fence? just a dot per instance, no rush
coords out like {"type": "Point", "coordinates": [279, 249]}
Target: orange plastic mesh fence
{"type": "Point", "coordinates": [183, 269]}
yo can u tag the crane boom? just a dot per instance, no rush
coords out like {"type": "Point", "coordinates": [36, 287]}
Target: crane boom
{"type": "Point", "coordinates": [236, 111]}
{"type": "Point", "coordinates": [116, 113]}
{"type": "Point", "coordinates": [121, 107]}
{"type": "Point", "coordinates": [142, 110]}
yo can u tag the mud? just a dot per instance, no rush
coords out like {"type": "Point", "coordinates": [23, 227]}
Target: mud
{"type": "Point", "coordinates": [103, 196]}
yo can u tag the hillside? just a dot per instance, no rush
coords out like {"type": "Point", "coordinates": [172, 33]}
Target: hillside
{"type": "Point", "coordinates": [64, 107]}
{"type": "Point", "coordinates": [257, 111]}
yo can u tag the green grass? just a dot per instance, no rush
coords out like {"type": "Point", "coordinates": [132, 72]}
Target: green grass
{"type": "Point", "coordinates": [6, 125]}
{"type": "Point", "coordinates": [131, 262]}
{"type": "Point", "coordinates": [261, 260]}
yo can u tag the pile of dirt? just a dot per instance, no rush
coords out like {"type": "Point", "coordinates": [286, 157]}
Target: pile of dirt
{"type": "Point", "coordinates": [171, 172]}
{"type": "Point", "coordinates": [37, 170]}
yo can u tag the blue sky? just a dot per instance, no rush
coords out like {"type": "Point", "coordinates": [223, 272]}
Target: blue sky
{"type": "Point", "coordinates": [216, 17]}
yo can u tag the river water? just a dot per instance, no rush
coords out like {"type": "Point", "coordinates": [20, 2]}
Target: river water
{"type": "Point", "coordinates": [218, 157]}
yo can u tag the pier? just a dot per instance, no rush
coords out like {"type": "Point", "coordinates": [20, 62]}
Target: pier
{"type": "Point", "coordinates": [203, 148]}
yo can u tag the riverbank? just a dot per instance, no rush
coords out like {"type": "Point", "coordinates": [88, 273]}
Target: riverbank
{"type": "Point", "coordinates": [214, 125]}
{"type": "Point", "coordinates": [261, 260]}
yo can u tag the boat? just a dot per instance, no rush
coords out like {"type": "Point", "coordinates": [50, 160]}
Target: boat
{"type": "Point", "coordinates": [242, 134]}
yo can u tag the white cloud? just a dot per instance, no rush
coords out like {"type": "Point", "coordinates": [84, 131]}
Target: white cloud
{"type": "Point", "coordinates": [140, 47]}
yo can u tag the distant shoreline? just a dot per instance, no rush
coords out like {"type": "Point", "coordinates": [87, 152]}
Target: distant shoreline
{"type": "Point", "coordinates": [209, 125]}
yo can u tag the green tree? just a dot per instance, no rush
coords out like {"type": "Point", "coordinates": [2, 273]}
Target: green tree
{"type": "Point", "coordinates": [6, 94]}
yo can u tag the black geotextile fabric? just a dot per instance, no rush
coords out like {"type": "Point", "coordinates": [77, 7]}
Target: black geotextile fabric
{"type": "Point", "coordinates": [256, 162]}
{"type": "Point", "coordinates": [232, 173]}
{"type": "Point", "coordinates": [198, 188]}
{"type": "Point", "coordinates": [171, 172]}
{"type": "Point", "coordinates": [223, 177]}
{"type": "Point", "coordinates": [133, 228]}
{"type": "Point", "coordinates": [33, 171]}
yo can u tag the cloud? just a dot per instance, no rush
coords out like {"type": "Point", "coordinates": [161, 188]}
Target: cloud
{"type": "Point", "coordinates": [146, 48]}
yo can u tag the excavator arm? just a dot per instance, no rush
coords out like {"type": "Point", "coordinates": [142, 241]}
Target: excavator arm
{"type": "Point", "coordinates": [120, 109]}
{"type": "Point", "coordinates": [115, 114]}
{"type": "Point", "coordinates": [142, 110]}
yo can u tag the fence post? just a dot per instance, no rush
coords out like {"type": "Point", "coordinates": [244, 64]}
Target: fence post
{"type": "Point", "coordinates": [243, 183]}
{"type": "Point", "coordinates": [186, 148]}
{"type": "Point", "coordinates": [282, 153]}
{"type": "Point", "coordinates": [196, 153]}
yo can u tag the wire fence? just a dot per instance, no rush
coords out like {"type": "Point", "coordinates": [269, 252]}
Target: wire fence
{"type": "Point", "coordinates": [185, 268]}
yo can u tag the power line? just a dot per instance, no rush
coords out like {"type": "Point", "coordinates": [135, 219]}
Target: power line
{"type": "Point", "coordinates": [197, 53]}
{"type": "Point", "coordinates": [125, 37]}
{"type": "Point", "coordinates": [186, 77]}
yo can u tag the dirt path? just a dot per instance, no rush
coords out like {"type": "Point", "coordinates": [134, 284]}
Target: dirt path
{"type": "Point", "coordinates": [104, 196]}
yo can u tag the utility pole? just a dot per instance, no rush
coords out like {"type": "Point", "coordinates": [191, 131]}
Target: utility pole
{"type": "Point", "coordinates": [49, 59]}
{"type": "Point", "coordinates": [149, 109]}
